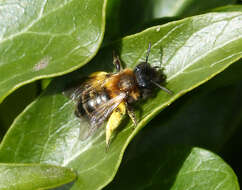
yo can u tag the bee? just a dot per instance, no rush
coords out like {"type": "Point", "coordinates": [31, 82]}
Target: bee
{"type": "Point", "coordinates": [109, 96]}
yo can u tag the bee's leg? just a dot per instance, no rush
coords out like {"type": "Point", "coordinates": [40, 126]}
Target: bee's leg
{"type": "Point", "coordinates": [117, 62]}
{"type": "Point", "coordinates": [114, 121]}
{"type": "Point", "coordinates": [132, 115]}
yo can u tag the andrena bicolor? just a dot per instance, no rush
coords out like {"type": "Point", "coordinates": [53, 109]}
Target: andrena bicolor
{"type": "Point", "coordinates": [108, 96]}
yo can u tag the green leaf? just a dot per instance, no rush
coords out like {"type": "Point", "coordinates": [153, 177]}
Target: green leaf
{"type": "Point", "coordinates": [174, 169]}
{"type": "Point", "coordinates": [40, 39]}
{"type": "Point", "coordinates": [191, 50]}
{"type": "Point", "coordinates": [33, 176]}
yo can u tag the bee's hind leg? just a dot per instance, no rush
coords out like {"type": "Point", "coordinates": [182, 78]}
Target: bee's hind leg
{"type": "Point", "coordinates": [117, 62]}
{"type": "Point", "coordinates": [114, 121]}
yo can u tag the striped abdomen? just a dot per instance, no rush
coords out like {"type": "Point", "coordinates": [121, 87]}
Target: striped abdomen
{"type": "Point", "coordinates": [92, 100]}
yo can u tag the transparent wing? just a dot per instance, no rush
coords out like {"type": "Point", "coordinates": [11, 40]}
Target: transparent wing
{"type": "Point", "coordinates": [74, 93]}
{"type": "Point", "coordinates": [93, 83]}
{"type": "Point", "coordinates": [104, 110]}
{"type": "Point", "coordinates": [98, 117]}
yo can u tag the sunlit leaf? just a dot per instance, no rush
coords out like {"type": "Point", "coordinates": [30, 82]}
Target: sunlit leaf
{"type": "Point", "coordinates": [191, 51]}
{"type": "Point", "coordinates": [39, 39]}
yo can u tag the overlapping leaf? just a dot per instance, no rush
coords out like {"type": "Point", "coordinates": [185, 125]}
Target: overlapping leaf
{"type": "Point", "coordinates": [40, 39]}
{"type": "Point", "coordinates": [191, 50]}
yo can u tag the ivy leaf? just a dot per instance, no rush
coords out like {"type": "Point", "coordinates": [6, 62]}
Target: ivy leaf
{"type": "Point", "coordinates": [33, 176]}
{"type": "Point", "coordinates": [40, 39]}
{"type": "Point", "coordinates": [191, 51]}
{"type": "Point", "coordinates": [176, 168]}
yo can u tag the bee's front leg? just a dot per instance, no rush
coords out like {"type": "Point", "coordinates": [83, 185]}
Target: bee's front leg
{"type": "Point", "coordinates": [117, 62]}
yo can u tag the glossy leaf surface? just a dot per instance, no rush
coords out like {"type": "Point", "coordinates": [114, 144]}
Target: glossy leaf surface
{"type": "Point", "coordinates": [40, 39]}
{"type": "Point", "coordinates": [191, 51]}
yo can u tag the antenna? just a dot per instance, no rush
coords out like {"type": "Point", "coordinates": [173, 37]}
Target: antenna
{"type": "Point", "coordinates": [162, 87]}
{"type": "Point", "coordinates": [148, 52]}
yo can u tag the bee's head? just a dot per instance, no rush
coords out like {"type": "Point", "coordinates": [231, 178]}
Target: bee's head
{"type": "Point", "coordinates": [147, 77]}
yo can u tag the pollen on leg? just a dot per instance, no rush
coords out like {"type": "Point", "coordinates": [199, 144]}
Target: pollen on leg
{"type": "Point", "coordinates": [114, 121]}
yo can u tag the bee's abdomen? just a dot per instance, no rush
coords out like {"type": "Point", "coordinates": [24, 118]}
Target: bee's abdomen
{"type": "Point", "coordinates": [91, 101]}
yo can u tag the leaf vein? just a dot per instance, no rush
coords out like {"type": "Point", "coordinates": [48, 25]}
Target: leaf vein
{"type": "Point", "coordinates": [39, 17]}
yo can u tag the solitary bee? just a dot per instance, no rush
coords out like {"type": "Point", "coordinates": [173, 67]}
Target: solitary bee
{"type": "Point", "coordinates": [108, 96]}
